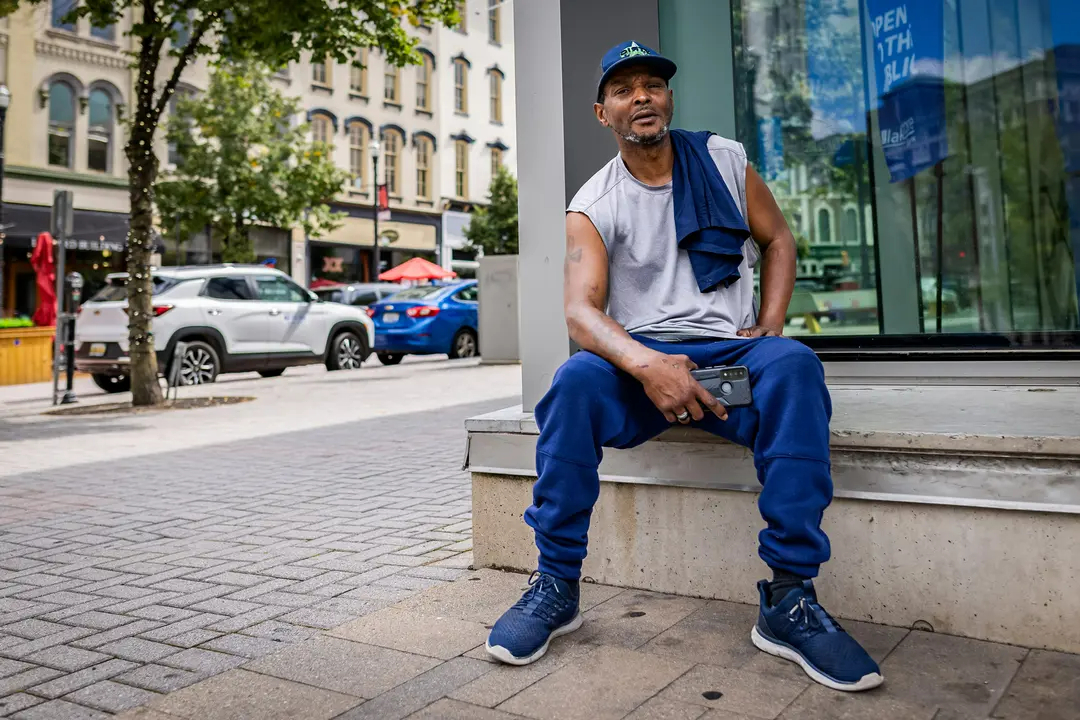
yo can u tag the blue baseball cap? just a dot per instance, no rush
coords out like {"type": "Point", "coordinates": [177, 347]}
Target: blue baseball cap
{"type": "Point", "coordinates": [632, 53]}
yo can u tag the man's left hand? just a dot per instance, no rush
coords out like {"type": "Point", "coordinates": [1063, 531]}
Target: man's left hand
{"type": "Point", "coordinates": [757, 331]}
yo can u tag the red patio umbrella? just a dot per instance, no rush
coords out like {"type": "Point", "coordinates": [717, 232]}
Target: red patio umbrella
{"type": "Point", "coordinates": [44, 265]}
{"type": "Point", "coordinates": [417, 269]}
{"type": "Point", "coordinates": [318, 283]}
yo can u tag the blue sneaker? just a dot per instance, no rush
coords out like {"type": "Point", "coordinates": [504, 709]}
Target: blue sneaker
{"type": "Point", "coordinates": [548, 609]}
{"type": "Point", "coordinates": [798, 629]}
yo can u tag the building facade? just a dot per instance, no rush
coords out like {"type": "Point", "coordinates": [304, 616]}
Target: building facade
{"type": "Point", "coordinates": [478, 117]}
{"type": "Point", "coordinates": [71, 86]}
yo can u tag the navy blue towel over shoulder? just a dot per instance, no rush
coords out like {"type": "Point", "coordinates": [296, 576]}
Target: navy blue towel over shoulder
{"type": "Point", "coordinates": [708, 224]}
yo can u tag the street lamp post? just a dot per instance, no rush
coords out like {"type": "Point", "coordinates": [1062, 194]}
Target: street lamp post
{"type": "Point", "coordinates": [5, 100]}
{"type": "Point", "coordinates": [375, 147]}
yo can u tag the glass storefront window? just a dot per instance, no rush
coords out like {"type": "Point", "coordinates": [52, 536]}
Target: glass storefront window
{"type": "Point", "coordinates": [335, 263]}
{"type": "Point", "coordinates": [926, 154]}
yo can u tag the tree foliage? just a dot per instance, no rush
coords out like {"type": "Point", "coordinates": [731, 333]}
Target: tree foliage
{"type": "Point", "coordinates": [494, 229]}
{"type": "Point", "coordinates": [168, 35]}
{"type": "Point", "coordinates": [245, 163]}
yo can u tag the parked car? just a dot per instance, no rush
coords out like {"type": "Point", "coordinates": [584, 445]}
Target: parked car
{"type": "Point", "coordinates": [427, 320]}
{"type": "Point", "coordinates": [358, 294]}
{"type": "Point", "coordinates": [232, 318]}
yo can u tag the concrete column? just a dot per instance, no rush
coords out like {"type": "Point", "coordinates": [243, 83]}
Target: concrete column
{"type": "Point", "coordinates": [19, 129]}
{"type": "Point", "coordinates": [541, 201]}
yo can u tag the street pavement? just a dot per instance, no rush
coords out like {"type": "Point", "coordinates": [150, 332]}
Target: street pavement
{"type": "Point", "coordinates": [306, 556]}
{"type": "Point", "coordinates": [141, 553]}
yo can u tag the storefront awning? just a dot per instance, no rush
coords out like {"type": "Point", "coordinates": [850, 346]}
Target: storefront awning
{"type": "Point", "coordinates": [93, 230]}
{"type": "Point", "coordinates": [396, 235]}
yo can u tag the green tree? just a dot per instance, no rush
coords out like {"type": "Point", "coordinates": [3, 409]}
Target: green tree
{"type": "Point", "coordinates": [494, 229]}
{"type": "Point", "coordinates": [168, 35]}
{"type": "Point", "coordinates": [245, 164]}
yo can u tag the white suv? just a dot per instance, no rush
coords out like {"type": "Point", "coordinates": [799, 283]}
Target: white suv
{"type": "Point", "coordinates": [231, 318]}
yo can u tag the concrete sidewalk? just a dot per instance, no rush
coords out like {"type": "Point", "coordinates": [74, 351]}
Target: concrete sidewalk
{"type": "Point", "coordinates": [640, 656]}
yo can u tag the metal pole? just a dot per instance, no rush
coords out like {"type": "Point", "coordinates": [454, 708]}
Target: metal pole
{"type": "Point", "coordinates": [375, 217]}
{"type": "Point", "coordinates": [60, 326]}
{"type": "Point", "coordinates": [62, 218]}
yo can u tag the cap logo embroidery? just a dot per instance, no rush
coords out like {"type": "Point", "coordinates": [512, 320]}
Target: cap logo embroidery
{"type": "Point", "coordinates": [633, 50]}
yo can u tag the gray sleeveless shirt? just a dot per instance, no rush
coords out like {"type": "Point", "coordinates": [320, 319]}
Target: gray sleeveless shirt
{"type": "Point", "coordinates": [652, 290]}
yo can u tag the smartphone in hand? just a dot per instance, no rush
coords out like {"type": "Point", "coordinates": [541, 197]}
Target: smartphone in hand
{"type": "Point", "coordinates": [729, 384]}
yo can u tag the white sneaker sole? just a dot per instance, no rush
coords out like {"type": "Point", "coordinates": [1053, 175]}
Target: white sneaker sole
{"type": "Point", "coordinates": [866, 682]}
{"type": "Point", "coordinates": [503, 655]}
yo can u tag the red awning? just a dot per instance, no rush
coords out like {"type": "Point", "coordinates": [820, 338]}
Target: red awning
{"type": "Point", "coordinates": [417, 269]}
{"type": "Point", "coordinates": [44, 266]}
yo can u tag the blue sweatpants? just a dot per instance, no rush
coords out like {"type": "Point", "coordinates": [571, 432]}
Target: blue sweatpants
{"type": "Point", "coordinates": [592, 405]}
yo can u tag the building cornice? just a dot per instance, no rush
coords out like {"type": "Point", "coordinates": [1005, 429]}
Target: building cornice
{"type": "Point", "coordinates": [44, 47]}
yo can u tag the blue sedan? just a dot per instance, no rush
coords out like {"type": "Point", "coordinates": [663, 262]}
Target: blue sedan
{"type": "Point", "coordinates": [427, 320]}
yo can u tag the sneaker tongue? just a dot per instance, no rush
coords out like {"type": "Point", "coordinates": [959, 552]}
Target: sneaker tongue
{"type": "Point", "coordinates": [791, 597]}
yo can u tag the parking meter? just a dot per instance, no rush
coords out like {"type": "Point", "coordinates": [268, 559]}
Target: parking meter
{"type": "Point", "coordinates": [73, 285]}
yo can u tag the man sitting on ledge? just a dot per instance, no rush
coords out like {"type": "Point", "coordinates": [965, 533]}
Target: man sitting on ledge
{"type": "Point", "coordinates": [661, 246]}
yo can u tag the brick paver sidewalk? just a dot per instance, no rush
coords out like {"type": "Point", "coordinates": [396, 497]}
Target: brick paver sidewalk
{"type": "Point", "coordinates": [640, 656]}
{"type": "Point", "coordinates": [125, 579]}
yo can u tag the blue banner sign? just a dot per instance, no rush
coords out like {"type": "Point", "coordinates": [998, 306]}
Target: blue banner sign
{"type": "Point", "coordinates": [908, 53]}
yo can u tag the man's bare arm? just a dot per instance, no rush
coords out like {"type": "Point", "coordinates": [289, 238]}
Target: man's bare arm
{"type": "Point", "coordinates": [770, 230]}
{"type": "Point", "coordinates": [585, 291]}
{"type": "Point", "coordinates": [665, 378]}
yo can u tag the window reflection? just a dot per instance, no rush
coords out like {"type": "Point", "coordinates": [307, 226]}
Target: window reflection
{"type": "Point", "coordinates": [927, 157]}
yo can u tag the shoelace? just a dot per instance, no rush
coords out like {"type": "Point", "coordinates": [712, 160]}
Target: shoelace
{"type": "Point", "coordinates": [812, 617]}
{"type": "Point", "coordinates": [543, 598]}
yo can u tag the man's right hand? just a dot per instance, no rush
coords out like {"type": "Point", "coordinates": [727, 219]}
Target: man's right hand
{"type": "Point", "coordinates": [674, 391]}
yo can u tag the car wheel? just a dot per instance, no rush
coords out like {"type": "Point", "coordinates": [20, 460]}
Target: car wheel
{"type": "Point", "coordinates": [347, 352]}
{"type": "Point", "coordinates": [390, 358]}
{"type": "Point", "coordinates": [113, 383]}
{"type": "Point", "coordinates": [464, 344]}
{"type": "Point", "coordinates": [199, 364]}
{"type": "Point", "coordinates": [276, 372]}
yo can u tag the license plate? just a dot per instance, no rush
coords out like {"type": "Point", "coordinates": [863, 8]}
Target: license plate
{"type": "Point", "coordinates": [390, 317]}
{"type": "Point", "coordinates": [97, 349]}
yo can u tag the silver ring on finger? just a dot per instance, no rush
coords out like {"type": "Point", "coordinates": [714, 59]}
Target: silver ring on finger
{"type": "Point", "coordinates": [683, 417]}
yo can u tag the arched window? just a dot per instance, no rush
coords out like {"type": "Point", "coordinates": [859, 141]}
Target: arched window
{"type": "Point", "coordinates": [423, 82]}
{"type": "Point", "coordinates": [358, 149]}
{"type": "Point", "coordinates": [461, 168]}
{"type": "Point", "coordinates": [320, 128]}
{"type": "Point", "coordinates": [61, 123]}
{"type": "Point", "coordinates": [497, 78]}
{"type": "Point", "coordinates": [358, 73]}
{"type": "Point", "coordinates": [461, 85]}
{"type": "Point", "coordinates": [851, 226]}
{"type": "Point", "coordinates": [424, 152]}
{"type": "Point", "coordinates": [824, 226]}
{"type": "Point", "coordinates": [391, 83]}
{"type": "Point", "coordinates": [392, 157]}
{"type": "Point", "coordinates": [99, 136]}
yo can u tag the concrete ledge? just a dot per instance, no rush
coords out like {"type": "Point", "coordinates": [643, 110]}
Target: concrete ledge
{"type": "Point", "coordinates": [990, 574]}
{"type": "Point", "coordinates": [958, 507]}
{"type": "Point", "coordinates": [1003, 448]}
